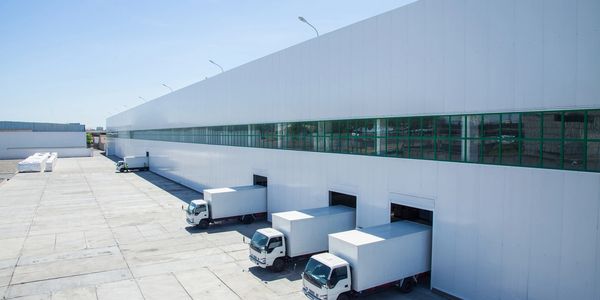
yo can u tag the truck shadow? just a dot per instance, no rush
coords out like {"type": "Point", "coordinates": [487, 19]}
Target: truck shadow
{"type": "Point", "coordinates": [292, 272]}
{"type": "Point", "coordinates": [246, 230]}
{"type": "Point", "coordinates": [183, 193]}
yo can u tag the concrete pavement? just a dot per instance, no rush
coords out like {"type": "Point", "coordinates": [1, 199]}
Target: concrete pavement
{"type": "Point", "coordinates": [86, 232]}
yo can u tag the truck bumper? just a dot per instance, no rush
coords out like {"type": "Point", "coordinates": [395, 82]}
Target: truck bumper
{"type": "Point", "coordinates": [255, 260]}
{"type": "Point", "coordinates": [189, 221]}
{"type": "Point", "coordinates": [308, 293]}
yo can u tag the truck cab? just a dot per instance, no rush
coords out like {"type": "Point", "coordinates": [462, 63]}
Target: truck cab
{"type": "Point", "coordinates": [267, 249]}
{"type": "Point", "coordinates": [120, 166]}
{"type": "Point", "coordinates": [197, 213]}
{"type": "Point", "coordinates": [326, 276]}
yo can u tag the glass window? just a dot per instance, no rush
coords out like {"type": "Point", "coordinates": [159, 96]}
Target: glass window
{"type": "Point", "coordinates": [415, 148]}
{"type": "Point", "coordinates": [473, 150]}
{"type": "Point", "coordinates": [531, 125]}
{"type": "Point", "coordinates": [510, 126]}
{"type": "Point", "coordinates": [456, 153]}
{"type": "Point", "coordinates": [397, 127]}
{"type": "Point", "coordinates": [428, 149]}
{"type": "Point", "coordinates": [428, 126]}
{"type": "Point", "coordinates": [593, 125]}
{"type": "Point", "coordinates": [510, 151]}
{"type": "Point", "coordinates": [574, 125]}
{"type": "Point", "coordinates": [551, 154]}
{"type": "Point", "coordinates": [415, 127]}
{"type": "Point", "coordinates": [530, 153]}
{"type": "Point", "coordinates": [574, 155]}
{"type": "Point", "coordinates": [443, 126]}
{"type": "Point", "coordinates": [474, 126]}
{"type": "Point", "coordinates": [456, 126]}
{"type": "Point", "coordinates": [593, 156]}
{"type": "Point", "coordinates": [491, 151]}
{"type": "Point", "coordinates": [443, 149]}
{"type": "Point", "coordinates": [491, 125]}
{"type": "Point", "coordinates": [553, 125]}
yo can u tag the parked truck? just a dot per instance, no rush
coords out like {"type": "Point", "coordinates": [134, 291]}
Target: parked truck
{"type": "Point", "coordinates": [363, 260]}
{"type": "Point", "coordinates": [242, 202]}
{"type": "Point", "coordinates": [133, 163]}
{"type": "Point", "coordinates": [296, 234]}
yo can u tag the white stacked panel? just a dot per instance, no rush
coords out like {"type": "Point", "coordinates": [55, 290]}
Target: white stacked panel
{"type": "Point", "coordinates": [34, 163]}
{"type": "Point", "coordinates": [384, 253]}
{"type": "Point", "coordinates": [306, 230]}
{"type": "Point", "coordinates": [51, 162]}
{"type": "Point", "coordinates": [236, 201]}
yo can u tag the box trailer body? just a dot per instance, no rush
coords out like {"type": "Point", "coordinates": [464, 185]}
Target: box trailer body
{"type": "Point", "coordinates": [236, 201]}
{"type": "Point", "coordinates": [244, 202]}
{"type": "Point", "coordinates": [130, 163]}
{"type": "Point", "coordinates": [306, 231]}
{"type": "Point", "coordinates": [364, 259]}
{"type": "Point", "coordinates": [385, 253]}
{"type": "Point", "coordinates": [298, 233]}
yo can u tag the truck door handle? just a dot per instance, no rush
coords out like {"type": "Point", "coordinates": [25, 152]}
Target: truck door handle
{"type": "Point", "coordinates": [346, 285]}
{"type": "Point", "coordinates": [280, 252]}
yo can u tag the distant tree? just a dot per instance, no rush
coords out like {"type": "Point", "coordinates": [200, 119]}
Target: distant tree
{"type": "Point", "coordinates": [89, 139]}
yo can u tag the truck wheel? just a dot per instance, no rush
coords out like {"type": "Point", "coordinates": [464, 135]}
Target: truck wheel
{"type": "Point", "coordinates": [278, 265]}
{"type": "Point", "coordinates": [203, 224]}
{"type": "Point", "coordinates": [247, 219]}
{"type": "Point", "coordinates": [343, 296]}
{"type": "Point", "coordinates": [407, 285]}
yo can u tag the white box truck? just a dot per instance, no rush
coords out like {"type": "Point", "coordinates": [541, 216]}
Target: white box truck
{"type": "Point", "coordinates": [295, 234]}
{"type": "Point", "coordinates": [133, 163]}
{"type": "Point", "coordinates": [243, 202]}
{"type": "Point", "coordinates": [365, 259]}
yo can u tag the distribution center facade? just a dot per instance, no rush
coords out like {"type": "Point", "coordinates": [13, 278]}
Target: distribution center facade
{"type": "Point", "coordinates": [486, 113]}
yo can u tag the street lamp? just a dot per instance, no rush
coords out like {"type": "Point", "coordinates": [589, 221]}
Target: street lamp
{"type": "Point", "coordinates": [143, 99]}
{"type": "Point", "coordinates": [303, 20]}
{"type": "Point", "coordinates": [168, 87]}
{"type": "Point", "coordinates": [216, 64]}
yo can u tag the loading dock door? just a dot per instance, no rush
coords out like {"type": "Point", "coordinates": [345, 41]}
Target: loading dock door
{"type": "Point", "coordinates": [336, 198]}
{"type": "Point", "coordinates": [260, 180]}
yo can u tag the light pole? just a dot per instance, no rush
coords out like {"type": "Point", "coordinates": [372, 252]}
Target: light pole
{"type": "Point", "coordinates": [303, 20]}
{"type": "Point", "coordinates": [168, 87]}
{"type": "Point", "coordinates": [142, 98]}
{"type": "Point", "coordinates": [216, 64]}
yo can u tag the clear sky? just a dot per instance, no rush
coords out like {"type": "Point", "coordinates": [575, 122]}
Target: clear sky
{"type": "Point", "coordinates": [84, 60]}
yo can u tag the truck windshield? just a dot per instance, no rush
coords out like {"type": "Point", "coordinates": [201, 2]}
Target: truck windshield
{"type": "Point", "coordinates": [316, 272]}
{"type": "Point", "coordinates": [191, 208]}
{"type": "Point", "coordinates": [258, 241]}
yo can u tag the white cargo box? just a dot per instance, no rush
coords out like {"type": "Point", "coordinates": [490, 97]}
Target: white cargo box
{"type": "Point", "coordinates": [306, 230]}
{"type": "Point", "coordinates": [134, 162]}
{"type": "Point", "coordinates": [51, 162]}
{"type": "Point", "coordinates": [385, 253]}
{"type": "Point", "coordinates": [34, 163]}
{"type": "Point", "coordinates": [236, 201]}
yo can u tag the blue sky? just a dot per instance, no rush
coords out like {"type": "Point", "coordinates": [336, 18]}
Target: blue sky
{"type": "Point", "coordinates": [82, 61]}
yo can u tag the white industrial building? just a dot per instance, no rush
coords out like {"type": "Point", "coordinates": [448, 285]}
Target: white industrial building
{"type": "Point", "coordinates": [22, 139]}
{"type": "Point", "coordinates": [485, 113]}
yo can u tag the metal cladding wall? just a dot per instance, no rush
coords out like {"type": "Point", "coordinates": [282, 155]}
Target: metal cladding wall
{"type": "Point", "coordinates": [20, 144]}
{"type": "Point", "coordinates": [499, 232]}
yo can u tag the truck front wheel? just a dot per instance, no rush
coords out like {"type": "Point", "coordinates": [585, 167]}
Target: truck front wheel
{"type": "Point", "coordinates": [203, 224]}
{"type": "Point", "coordinates": [407, 285]}
{"type": "Point", "coordinates": [278, 265]}
{"type": "Point", "coordinates": [343, 296]}
{"type": "Point", "coordinates": [247, 219]}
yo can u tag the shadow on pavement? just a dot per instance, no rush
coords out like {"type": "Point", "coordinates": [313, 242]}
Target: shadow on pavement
{"type": "Point", "coordinates": [292, 272]}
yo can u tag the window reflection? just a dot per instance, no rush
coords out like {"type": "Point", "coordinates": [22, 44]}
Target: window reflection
{"type": "Point", "coordinates": [560, 140]}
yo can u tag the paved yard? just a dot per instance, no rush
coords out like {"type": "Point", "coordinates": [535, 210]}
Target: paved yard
{"type": "Point", "coordinates": [86, 232]}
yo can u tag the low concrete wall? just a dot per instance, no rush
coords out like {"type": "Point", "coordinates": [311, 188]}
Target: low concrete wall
{"type": "Point", "coordinates": [16, 145]}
